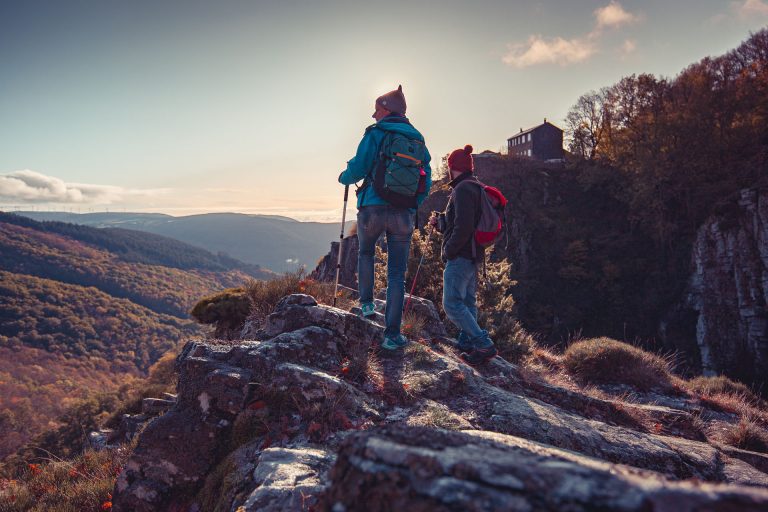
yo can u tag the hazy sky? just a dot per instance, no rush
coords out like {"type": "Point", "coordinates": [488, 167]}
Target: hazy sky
{"type": "Point", "coordinates": [195, 106]}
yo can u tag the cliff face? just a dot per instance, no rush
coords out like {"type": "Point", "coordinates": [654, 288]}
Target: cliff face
{"type": "Point", "coordinates": [326, 267]}
{"type": "Point", "coordinates": [724, 308]}
{"type": "Point", "coordinates": [313, 416]}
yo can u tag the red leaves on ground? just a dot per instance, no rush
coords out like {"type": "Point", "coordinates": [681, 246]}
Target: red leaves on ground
{"type": "Point", "coordinates": [256, 405]}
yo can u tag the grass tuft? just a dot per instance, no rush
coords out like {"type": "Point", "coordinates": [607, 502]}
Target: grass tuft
{"type": "Point", "coordinates": [747, 435]}
{"type": "Point", "coordinates": [721, 385]}
{"type": "Point", "coordinates": [607, 361]}
{"type": "Point", "coordinates": [413, 325]}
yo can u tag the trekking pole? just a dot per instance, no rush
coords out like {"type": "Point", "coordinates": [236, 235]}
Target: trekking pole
{"type": "Point", "coordinates": [418, 267]}
{"type": "Point", "coordinates": [341, 242]}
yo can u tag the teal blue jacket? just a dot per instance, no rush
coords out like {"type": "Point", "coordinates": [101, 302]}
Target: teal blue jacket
{"type": "Point", "coordinates": [366, 158]}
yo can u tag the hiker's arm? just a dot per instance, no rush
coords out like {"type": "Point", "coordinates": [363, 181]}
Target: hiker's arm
{"type": "Point", "coordinates": [428, 170]}
{"type": "Point", "coordinates": [362, 163]}
{"type": "Point", "coordinates": [463, 222]}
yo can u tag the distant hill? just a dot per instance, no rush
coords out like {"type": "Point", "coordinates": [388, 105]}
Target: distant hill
{"type": "Point", "coordinates": [26, 247]}
{"type": "Point", "coordinates": [141, 247]}
{"type": "Point", "coordinates": [274, 242]}
{"type": "Point", "coordinates": [85, 309]}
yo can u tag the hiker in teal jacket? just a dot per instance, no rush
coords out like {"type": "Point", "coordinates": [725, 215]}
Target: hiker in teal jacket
{"type": "Point", "coordinates": [376, 216]}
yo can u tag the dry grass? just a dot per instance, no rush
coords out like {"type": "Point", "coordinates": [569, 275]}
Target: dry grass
{"type": "Point", "coordinates": [413, 325]}
{"type": "Point", "coordinates": [721, 385]}
{"type": "Point", "coordinates": [418, 356]}
{"type": "Point", "coordinates": [607, 361]}
{"type": "Point", "coordinates": [437, 416]}
{"type": "Point", "coordinates": [747, 435]}
{"type": "Point", "coordinates": [84, 483]}
{"type": "Point", "coordinates": [264, 295]}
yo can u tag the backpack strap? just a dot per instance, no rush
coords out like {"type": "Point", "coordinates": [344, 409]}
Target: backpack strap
{"type": "Point", "coordinates": [368, 180]}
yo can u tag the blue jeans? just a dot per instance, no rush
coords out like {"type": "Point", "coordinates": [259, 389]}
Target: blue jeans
{"type": "Point", "coordinates": [460, 301]}
{"type": "Point", "coordinates": [397, 223]}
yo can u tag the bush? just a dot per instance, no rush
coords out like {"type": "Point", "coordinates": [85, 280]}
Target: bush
{"type": "Point", "coordinates": [721, 385]}
{"type": "Point", "coordinates": [607, 361]}
{"type": "Point", "coordinates": [514, 343]}
{"type": "Point", "coordinates": [227, 309]}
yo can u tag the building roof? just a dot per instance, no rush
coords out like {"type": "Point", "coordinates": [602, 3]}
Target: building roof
{"type": "Point", "coordinates": [533, 129]}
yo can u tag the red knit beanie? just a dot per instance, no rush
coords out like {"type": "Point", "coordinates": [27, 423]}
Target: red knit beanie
{"type": "Point", "coordinates": [461, 160]}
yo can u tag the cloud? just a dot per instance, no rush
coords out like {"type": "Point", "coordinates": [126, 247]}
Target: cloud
{"type": "Point", "coordinates": [557, 50]}
{"type": "Point", "coordinates": [629, 46]}
{"type": "Point", "coordinates": [33, 187]}
{"type": "Point", "coordinates": [750, 8]}
{"type": "Point", "coordinates": [553, 51]}
{"type": "Point", "coordinates": [613, 15]}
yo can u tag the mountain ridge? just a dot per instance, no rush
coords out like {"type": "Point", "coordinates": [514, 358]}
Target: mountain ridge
{"type": "Point", "coordinates": [291, 243]}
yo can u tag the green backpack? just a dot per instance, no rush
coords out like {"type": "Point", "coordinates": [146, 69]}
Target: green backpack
{"type": "Point", "coordinates": [399, 175]}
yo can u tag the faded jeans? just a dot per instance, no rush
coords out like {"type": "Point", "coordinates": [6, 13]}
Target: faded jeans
{"type": "Point", "coordinates": [460, 300]}
{"type": "Point", "coordinates": [397, 223]}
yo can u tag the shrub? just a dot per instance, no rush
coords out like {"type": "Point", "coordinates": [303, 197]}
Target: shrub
{"type": "Point", "coordinates": [513, 342]}
{"type": "Point", "coordinates": [721, 385]}
{"type": "Point", "coordinates": [605, 360]}
{"type": "Point", "coordinates": [227, 310]}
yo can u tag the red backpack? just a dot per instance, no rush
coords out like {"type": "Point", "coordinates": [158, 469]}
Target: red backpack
{"type": "Point", "coordinates": [491, 223]}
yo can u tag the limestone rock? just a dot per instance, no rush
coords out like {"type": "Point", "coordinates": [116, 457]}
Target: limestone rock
{"type": "Point", "coordinates": [725, 309]}
{"type": "Point", "coordinates": [417, 469]}
{"type": "Point", "coordinates": [326, 267]}
{"type": "Point", "coordinates": [288, 480]}
{"type": "Point", "coordinates": [263, 420]}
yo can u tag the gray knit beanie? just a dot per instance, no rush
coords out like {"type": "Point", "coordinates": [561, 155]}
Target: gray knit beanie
{"type": "Point", "coordinates": [394, 101]}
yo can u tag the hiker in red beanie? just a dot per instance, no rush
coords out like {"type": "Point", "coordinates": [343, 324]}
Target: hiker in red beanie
{"type": "Point", "coordinates": [462, 256]}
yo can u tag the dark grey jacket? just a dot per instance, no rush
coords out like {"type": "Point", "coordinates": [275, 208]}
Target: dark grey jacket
{"type": "Point", "coordinates": [460, 219]}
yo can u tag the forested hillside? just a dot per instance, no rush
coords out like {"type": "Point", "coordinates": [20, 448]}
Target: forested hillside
{"type": "Point", "coordinates": [82, 310]}
{"type": "Point", "coordinates": [142, 247]}
{"type": "Point", "coordinates": [165, 289]}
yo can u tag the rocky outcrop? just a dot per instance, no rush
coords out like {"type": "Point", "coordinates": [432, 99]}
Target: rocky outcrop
{"type": "Point", "coordinates": [326, 267]}
{"type": "Point", "coordinates": [421, 469]}
{"type": "Point", "coordinates": [725, 309]}
{"type": "Point", "coordinates": [313, 415]}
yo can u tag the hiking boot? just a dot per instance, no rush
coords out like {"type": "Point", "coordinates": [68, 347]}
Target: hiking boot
{"type": "Point", "coordinates": [465, 343]}
{"type": "Point", "coordinates": [479, 355]}
{"type": "Point", "coordinates": [368, 309]}
{"type": "Point", "coordinates": [394, 342]}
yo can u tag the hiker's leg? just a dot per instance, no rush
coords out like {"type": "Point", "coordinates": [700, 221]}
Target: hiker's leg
{"type": "Point", "coordinates": [370, 224]}
{"type": "Point", "coordinates": [456, 280]}
{"type": "Point", "coordinates": [399, 231]}
{"type": "Point", "coordinates": [471, 298]}
{"type": "Point", "coordinates": [484, 340]}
